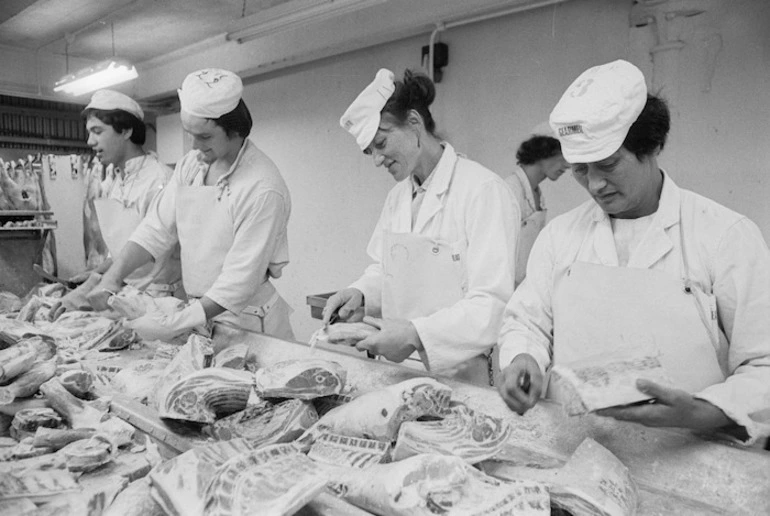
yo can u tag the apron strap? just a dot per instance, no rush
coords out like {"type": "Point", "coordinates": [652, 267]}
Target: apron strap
{"type": "Point", "coordinates": [262, 310]}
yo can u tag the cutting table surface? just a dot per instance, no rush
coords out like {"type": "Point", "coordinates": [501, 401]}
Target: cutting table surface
{"type": "Point", "coordinates": [677, 471]}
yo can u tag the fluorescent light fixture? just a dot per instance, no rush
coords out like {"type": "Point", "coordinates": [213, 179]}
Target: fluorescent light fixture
{"type": "Point", "coordinates": [292, 14]}
{"type": "Point", "coordinates": [101, 75]}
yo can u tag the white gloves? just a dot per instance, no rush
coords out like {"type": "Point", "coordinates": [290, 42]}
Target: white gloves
{"type": "Point", "coordinates": [158, 325]}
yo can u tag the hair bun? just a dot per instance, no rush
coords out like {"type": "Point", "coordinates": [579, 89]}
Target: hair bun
{"type": "Point", "coordinates": [421, 89]}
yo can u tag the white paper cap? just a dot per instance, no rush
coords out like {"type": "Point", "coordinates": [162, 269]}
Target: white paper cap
{"type": "Point", "coordinates": [362, 118]}
{"type": "Point", "coordinates": [109, 100]}
{"type": "Point", "coordinates": [210, 93]}
{"type": "Point", "coordinates": [595, 113]}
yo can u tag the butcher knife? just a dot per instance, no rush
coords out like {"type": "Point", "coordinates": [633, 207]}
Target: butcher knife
{"type": "Point", "coordinates": [50, 277]}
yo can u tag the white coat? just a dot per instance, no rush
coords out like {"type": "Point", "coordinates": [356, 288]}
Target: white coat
{"type": "Point", "coordinates": [258, 205]}
{"type": "Point", "coordinates": [727, 257]}
{"type": "Point", "coordinates": [532, 219]}
{"type": "Point", "coordinates": [479, 218]}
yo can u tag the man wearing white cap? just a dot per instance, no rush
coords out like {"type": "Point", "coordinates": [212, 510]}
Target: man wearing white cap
{"type": "Point", "coordinates": [116, 133]}
{"type": "Point", "coordinates": [538, 158]}
{"type": "Point", "coordinates": [443, 248]}
{"type": "Point", "coordinates": [227, 207]}
{"type": "Point", "coordinates": [644, 269]}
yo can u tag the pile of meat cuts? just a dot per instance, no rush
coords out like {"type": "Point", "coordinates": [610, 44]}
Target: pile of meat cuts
{"type": "Point", "coordinates": [285, 438]}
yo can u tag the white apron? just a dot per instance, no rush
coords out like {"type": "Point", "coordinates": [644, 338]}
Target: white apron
{"type": "Point", "coordinates": [116, 223]}
{"type": "Point", "coordinates": [422, 275]}
{"type": "Point", "coordinates": [530, 228]}
{"type": "Point", "coordinates": [205, 232]}
{"type": "Point", "coordinates": [599, 309]}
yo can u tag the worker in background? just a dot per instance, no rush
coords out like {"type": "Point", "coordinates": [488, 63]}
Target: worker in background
{"type": "Point", "coordinates": [228, 208]}
{"type": "Point", "coordinates": [538, 158]}
{"type": "Point", "coordinates": [116, 133]}
{"type": "Point", "coordinates": [693, 273]}
{"type": "Point", "coordinates": [443, 248]}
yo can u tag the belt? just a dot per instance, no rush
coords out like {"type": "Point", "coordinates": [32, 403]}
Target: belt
{"type": "Point", "coordinates": [164, 287]}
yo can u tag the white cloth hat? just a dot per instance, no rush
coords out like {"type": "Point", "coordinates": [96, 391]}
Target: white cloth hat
{"type": "Point", "coordinates": [595, 113]}
{"type": "Point", "coordinates": [210, 93]}
{"type": "Point", "coordinates": [109, 100]}
{"type": "Point", "coordinates": [362, 118]}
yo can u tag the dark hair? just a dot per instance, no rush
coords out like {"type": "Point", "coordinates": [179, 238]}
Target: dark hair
{"type": "Point", "coordinates": [536, 148]}
{"type": "Point", "coordinates": [416, 92]}
{"type": "Point", "coordinates": [648, 134]}
{"type": "Point", "coordinates": [120, 121]}
{"type": "Point", "coordinates": [238, 121]}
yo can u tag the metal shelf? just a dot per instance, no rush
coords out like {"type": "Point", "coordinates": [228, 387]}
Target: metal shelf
{"type": "Point", "coordinates": [23, 213]}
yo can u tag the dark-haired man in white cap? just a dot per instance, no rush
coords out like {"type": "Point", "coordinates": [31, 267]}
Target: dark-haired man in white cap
{"type": "Point", "coordinates": [645, 268]}
{"type": "Point", "coordinates": [227, 207]}
{"type": "Point", "coordinates": [116, 133]}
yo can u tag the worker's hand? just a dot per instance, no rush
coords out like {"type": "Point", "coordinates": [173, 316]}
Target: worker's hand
{"type": "Point", "coordinates": [75, 300]}
{"type": "Point", "coordinates": [80, 277]}
{"type": "Point", "coordinates": [101, 293]}
{"type": "Point", "coordinates": [396, 340]}
{"type": "Point", "coordinates": [671, 407]}
{"type": "Point", "coordinates": [348, 303]}
{"type": "Point", "coordinates": [521, 384]}
{"type": "Point", "coordinates": [156, 324]}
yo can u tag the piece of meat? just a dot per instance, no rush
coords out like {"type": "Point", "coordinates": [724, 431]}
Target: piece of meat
{"type": "Point", "coordinates": [300, 379]}
{"type": "Point", "coordinates": [378, 414]}
{"type": "Point", "coordinates": [436, 484]}
{"type": "Point", "coordinates": [276, 479]}
{"type": "Point", "coordinates": [341, 450]}
{"type": "Point", "coordinates": [77, 412]}
{"type": "Point", "coordinates": [266, 423]}
{"type": "Point", "coordinates": [465, 433]}
{"type": "Point", "coordinates": [13, 191]}
{"type": "Point", "coordinates": [179, 485]}
{"type": "Point", "coordinates": [27, 421]}
{"type": "Point", "coordinates": [135, 500]}
{"type": "Point", "coordinates": [194, 355]}
{"type": "Point", "coordinates": [29, 382]}
{"type": "Point", "coordinates": [348, 334]}
{"type": "Point", "coordinates": [205, 395]}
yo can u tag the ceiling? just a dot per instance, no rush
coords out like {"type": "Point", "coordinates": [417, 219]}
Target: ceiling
{"type": "Point", "coordinates": [42, 40]}
{"type": "Point", "coordinates": [85, 28]}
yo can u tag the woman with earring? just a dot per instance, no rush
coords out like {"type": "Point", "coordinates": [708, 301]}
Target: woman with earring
{"type": "Point", "coordinates": [443, 248]}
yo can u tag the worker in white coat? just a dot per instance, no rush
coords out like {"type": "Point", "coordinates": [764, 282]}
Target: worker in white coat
{"type": "Point", "coordinates": [537, 159]}
{"type": "Point", "coordinates": [116, 133]}
{"type": "Point", "coordinates": [685, 276]}
{"type": "Point", "coordinates": [228, 208]}
{"type": "Point", "coordinates": [444, 245]}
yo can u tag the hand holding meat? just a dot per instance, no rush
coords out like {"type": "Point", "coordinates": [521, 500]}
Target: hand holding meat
{"type": "Point", "coordinates": [672, 407]}
{"type": "Point", "coordinates": [75, 300]}
{"type": "Point", "coordinates": [396, 340]}
{"type": "Point", "coordinates": [513, 387]}
{"type": "Point", "coordinates": [101, 293]}
{"type": "Point", "coordinates": [348, 303]}
{"type": "Point", "coordinates": [159, 325]}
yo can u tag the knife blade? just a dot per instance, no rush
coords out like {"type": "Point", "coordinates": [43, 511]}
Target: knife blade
{"type": "Point", "coordinates": [50, 277]}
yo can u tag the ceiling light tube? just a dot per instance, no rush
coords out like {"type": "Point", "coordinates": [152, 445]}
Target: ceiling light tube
{"type": "Point", "coordinates": [101, 75]}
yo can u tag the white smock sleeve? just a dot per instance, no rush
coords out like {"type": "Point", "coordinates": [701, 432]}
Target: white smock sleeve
{"type": "Point", "coordinates": [468, 328]}
{"type": "Point", "coordinates": [528, 317]}
{"type": "Point", "coordinates": [742, 290]}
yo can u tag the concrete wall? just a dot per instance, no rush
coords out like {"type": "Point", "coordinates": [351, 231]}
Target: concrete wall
{"type": "Point", "coordinates": [503, 78]}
